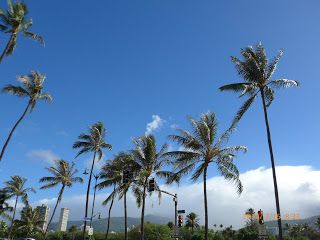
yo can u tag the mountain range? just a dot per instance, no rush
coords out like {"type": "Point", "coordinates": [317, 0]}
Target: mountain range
{"type": "Point", "coordinates": [116, 223]}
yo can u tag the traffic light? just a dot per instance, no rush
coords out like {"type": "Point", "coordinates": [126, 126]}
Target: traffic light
{"type": "Point", "coordinates": [126, 176]}
{"type": "Point", "coordinates": [260, 215]}
{"type": "Point", "coordinates": [2, 198]}
{"type": "Point", "coordinates": [180, 220]}
{"type": "Point", "coordinates": [151, 185]}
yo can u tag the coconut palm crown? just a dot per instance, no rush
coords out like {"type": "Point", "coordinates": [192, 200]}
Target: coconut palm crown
{"type": "Point", "coordinates": [13, 21]}
{"type": "Point", "coordinates": [257, 72]}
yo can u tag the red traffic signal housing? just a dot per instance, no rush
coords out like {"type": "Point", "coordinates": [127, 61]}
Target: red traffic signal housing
{"type": "Point", "coordinates": [180, 220]}
{"type": "Point", "coordinates": [260, 215]}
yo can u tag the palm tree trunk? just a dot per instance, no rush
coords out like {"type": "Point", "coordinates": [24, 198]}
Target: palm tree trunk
{"type": "Point", "coordinates": [12, 130]}
{"type": "Point", "coordinates": [205, 203]}
{"type": "Point", "coordinates": [125, 216]}
{"type": "Point", "coordinates": [54, 211]}
{"type": "Point", "coordinates": [13, 35]}
{"type": "Point", "coordinates": [87, 198]}
{"type": "Point", "coordinates": [142, 210]}
{"type": "Point", "coordinates": [13, 216]}
{"type": "Point", "coordinates": [94, 199]}
{"type": "Point", "coordinates": [109, 213]}
{"type": "Point", "coordinates": [272, 164]}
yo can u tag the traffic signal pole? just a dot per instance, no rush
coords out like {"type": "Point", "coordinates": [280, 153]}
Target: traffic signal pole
{"type": "Point", "coordinates": [175, 199]}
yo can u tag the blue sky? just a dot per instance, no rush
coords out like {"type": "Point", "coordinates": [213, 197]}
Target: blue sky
{"type": "Point", "coordinates": [120, 62]}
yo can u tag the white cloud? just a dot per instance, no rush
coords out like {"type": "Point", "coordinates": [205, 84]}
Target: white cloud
{"type": "Point", "coordinates": [62, 133]}
{"type": "Point", "coordinates": [46, 156]}
{"type": "Point", "coordinates": [155, 124]}
{"type": "Point", "coordinates": [299, 189]}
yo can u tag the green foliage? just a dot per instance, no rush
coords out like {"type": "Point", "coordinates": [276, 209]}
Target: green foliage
{"type": "Point", "coordinates": [247, 233]}
{"type": "Point", "coordinates": [152, 232]}
{"type": "Point", "coordinates": [3, 229]}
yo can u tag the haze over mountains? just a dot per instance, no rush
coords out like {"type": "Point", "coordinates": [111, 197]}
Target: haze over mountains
{"type": "Point", "coordinates": [116, 223]}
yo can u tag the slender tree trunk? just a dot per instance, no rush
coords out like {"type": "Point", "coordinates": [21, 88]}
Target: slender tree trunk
{"type": "Point", "coordinates": [13, 216]}
{"type": "Point", "coordinates": [125, 216]}
{"type": "Point", "coordinates": [142, 210]}
{"type": "Point", "coordinates": [13, 35]}
{"type": "Point", "coordinates": [53, 213]}
{"type": "Point", "coordinates": [87, 198]}
{"type": "Point", "coordinates": [12, 130]}
{"type": "Point", "coordinates": [109, 213]}
{"type": "Point", "coordinates": [272, 164]}
{"type": "Point", "coordinates": [94, 199]}
{"type": "Point", "coordinates": [205, 203]}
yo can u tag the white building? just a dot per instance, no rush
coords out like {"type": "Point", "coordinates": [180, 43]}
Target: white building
{"type": "Point", "coordinates": [63, 220]}
{"type": "Point", "coordinates": [44, 215]}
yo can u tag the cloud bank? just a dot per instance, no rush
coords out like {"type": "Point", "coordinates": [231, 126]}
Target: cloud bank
{"type": "Point", "coordinates": [299, 188]}
{"type": "Point", "coordinates": [46, 156]}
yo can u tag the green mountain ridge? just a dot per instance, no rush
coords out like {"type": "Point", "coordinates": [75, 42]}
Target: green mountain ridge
{"type": "Point", "coordinates": [310, 221]}
{"type": "Point", "coordinates": [116, 223]}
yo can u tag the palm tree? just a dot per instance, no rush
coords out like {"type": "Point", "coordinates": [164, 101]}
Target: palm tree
{"type": "Point", "coordinates": [30, 221]}
{"type": "Point", "coordinates": [257, 73]}
{"type": "Point", "coordinates": [92, 142]}
{"type": "Point", "coordinates": [150, 161]}
{"type": "Point", "coordinates": [13, 21]}
{"type": "Point", "coordinates": [201, 147]}
{"type": "Point", "coordinates": [63, 173]}
{"type": "Point", "coordinates": [112, 174]}
{"type": "Point", "coordinates": [192, 221]}
{"type": "Point", "coordinates": [16, 188]}
{"type": "Point", "coordinates": [32, 86]}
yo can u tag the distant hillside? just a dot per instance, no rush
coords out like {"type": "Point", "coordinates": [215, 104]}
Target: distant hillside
{"type": "Point", "coordinates": [116, 224]}
{"type": "Point", "coordinates": [310, 221]}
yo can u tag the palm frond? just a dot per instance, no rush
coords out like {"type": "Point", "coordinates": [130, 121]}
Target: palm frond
{"type": "Point", "coordinates": [284, 83]}
{"type": "Point", "coordinates": [34, 36]}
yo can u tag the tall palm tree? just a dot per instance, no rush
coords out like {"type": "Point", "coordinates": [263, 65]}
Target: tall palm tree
{"type": "Point", "coordinates": [92, 142]}
{"type": "Point", "coordinates": [257, 73]}
{"type": "Point", "coordinates": [16, 188]}
{"type": "Point", "coordinates": [112, 176]}
{"type": "Point", "coordinates": [32, 88]}
{"type": "Point", "coordinates": [13, 21]}
{"type": "Point", "coordinates": [192, 221]}
{"type": "Point", "coordinates": [150, 162]}
{"type": "Point", "coordinates": [30, 221]}
{"type": "Point", "coordinates": [63, 174]}
{"type": "Point", "coordinates": [201, 147]}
